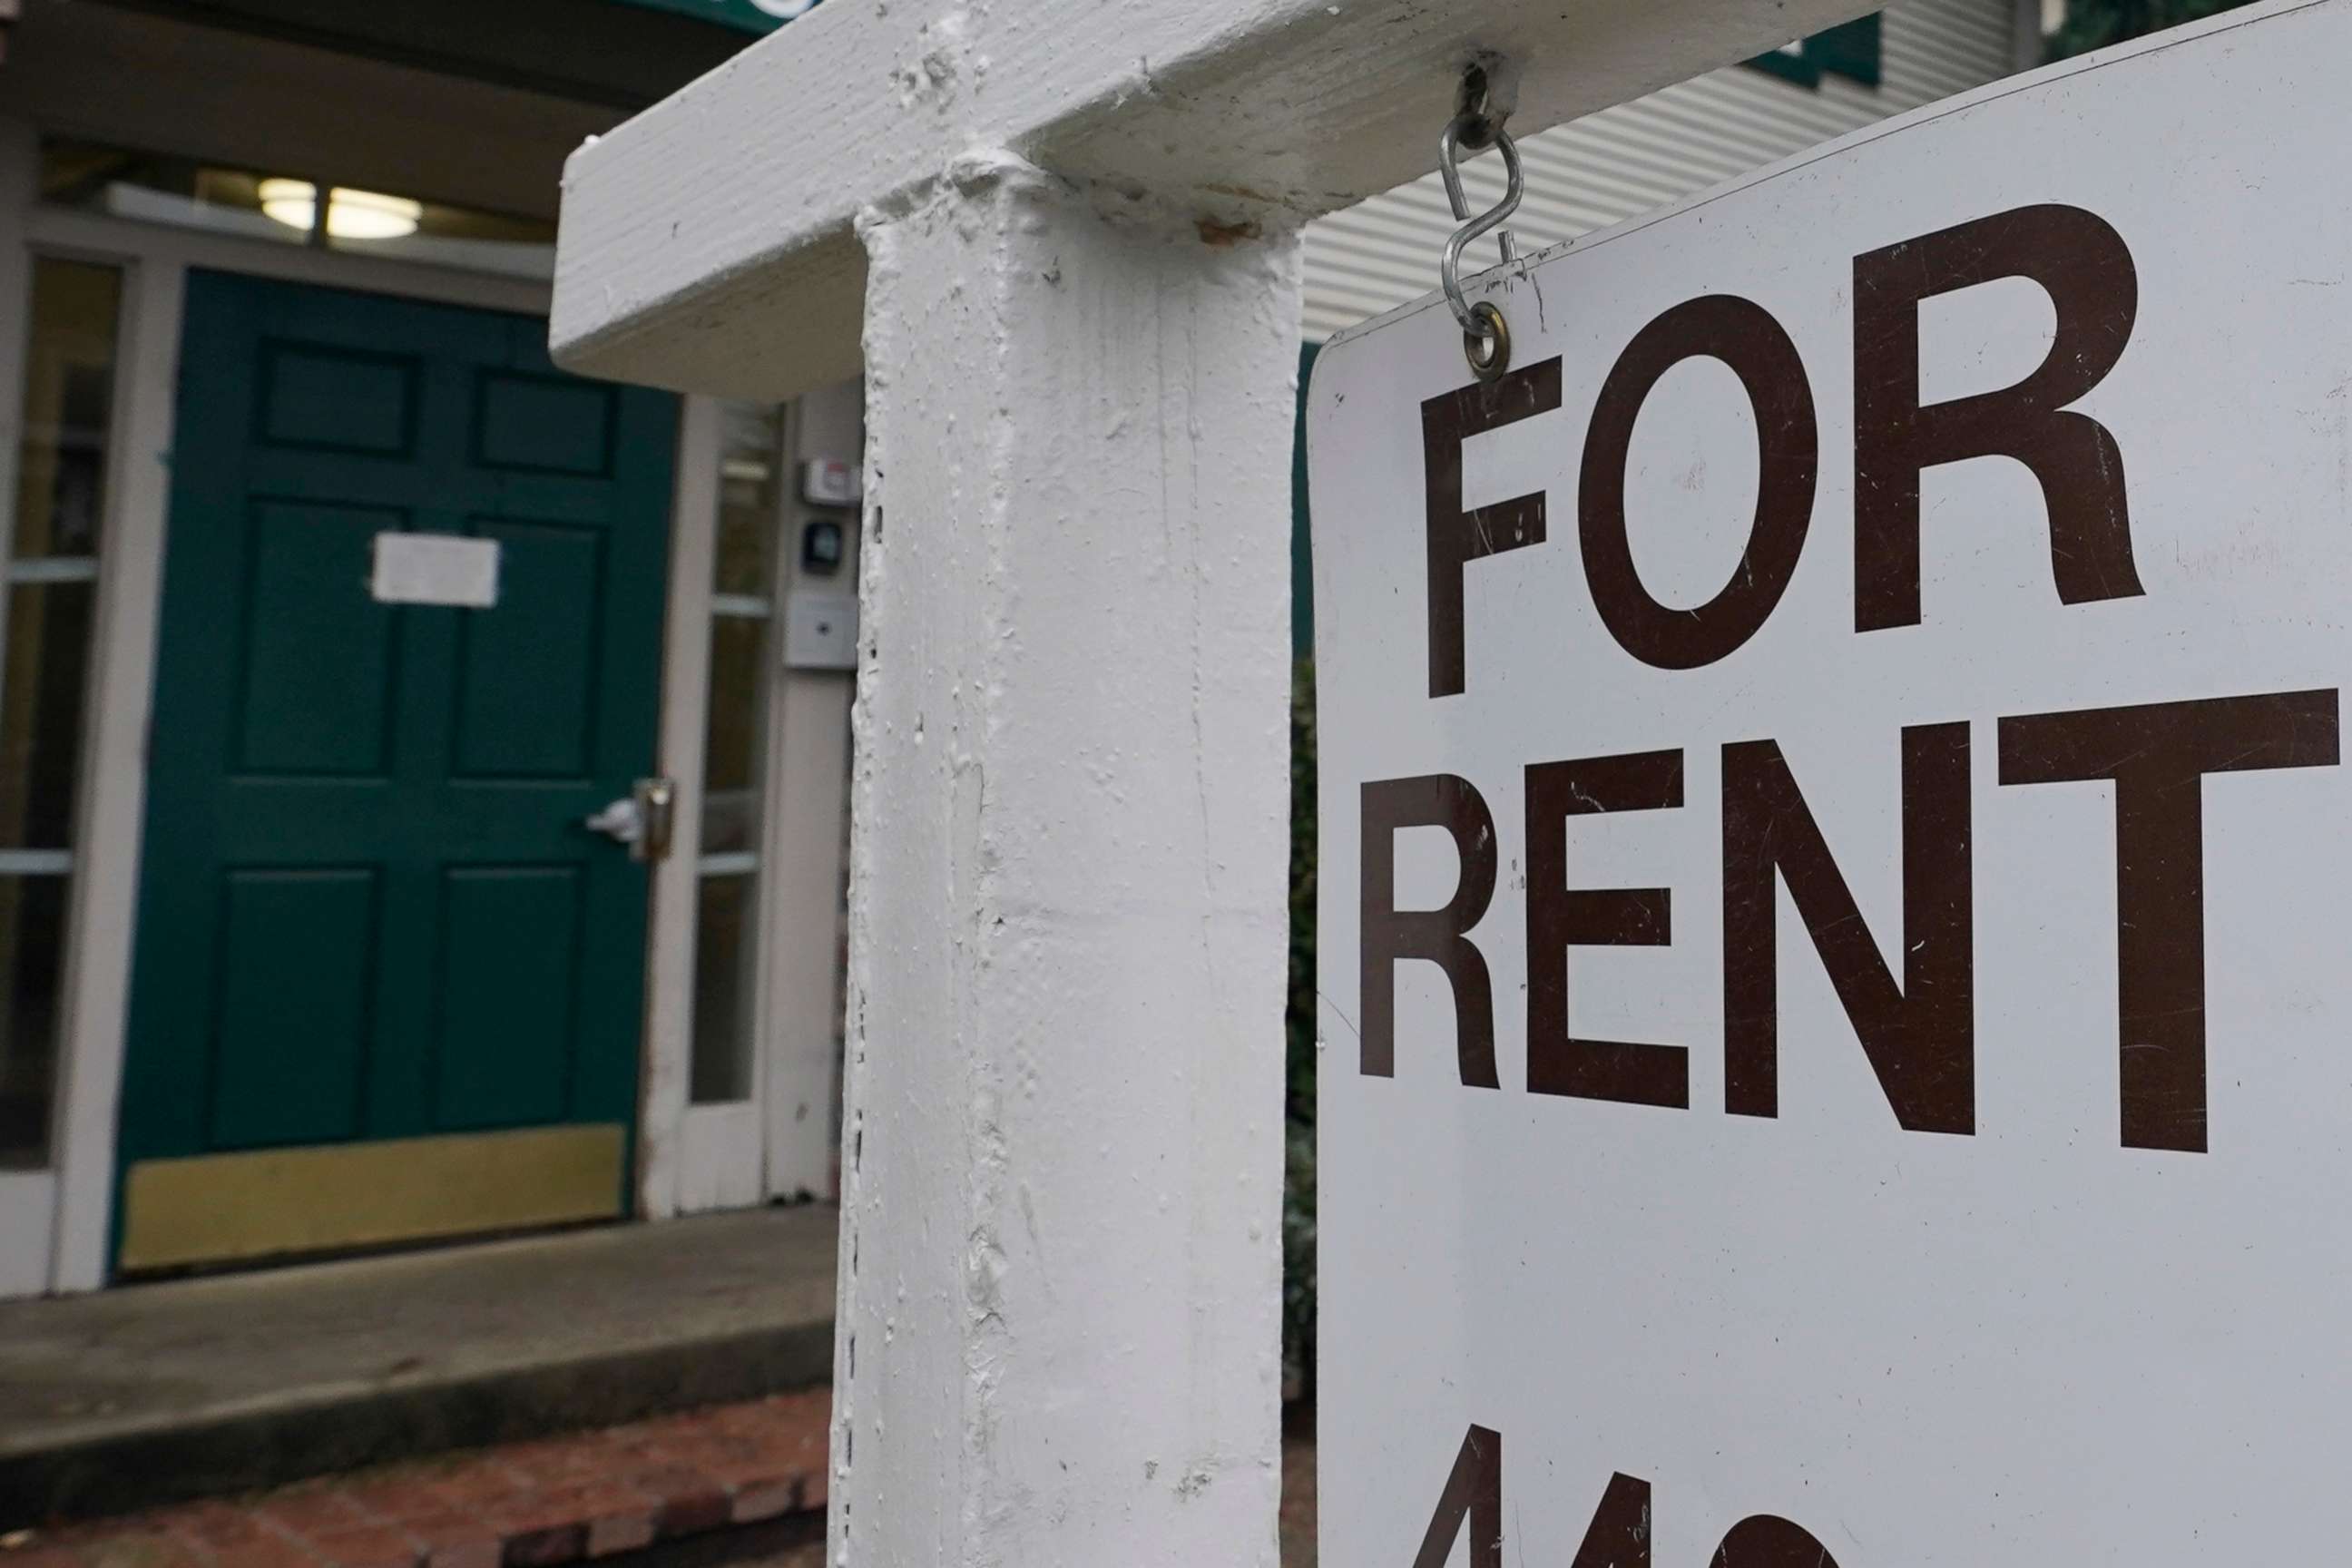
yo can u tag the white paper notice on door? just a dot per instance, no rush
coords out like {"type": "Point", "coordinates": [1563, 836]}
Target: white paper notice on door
{"type": "Point", "coordinates": [436, 569]}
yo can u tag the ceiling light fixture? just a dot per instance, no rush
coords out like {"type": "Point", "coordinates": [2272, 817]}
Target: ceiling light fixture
{"type": "Point", "coordinates": [350, 215]}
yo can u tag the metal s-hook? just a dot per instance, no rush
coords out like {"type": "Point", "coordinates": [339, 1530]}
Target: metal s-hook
{"type": "Point", "coordinates": [1486, 337]}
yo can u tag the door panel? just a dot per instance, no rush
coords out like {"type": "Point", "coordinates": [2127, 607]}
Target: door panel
{"type": "Point", "coordinates": [368, 910]}
{"type": "Point", "coordinates": [298, 956]}
{"type": "Point", "coordinates": [553, 424]}
{"type": "Point", "coordinates": [526, 676]}
{"type": "Point", "coordinates": [510, 973]}
{"type": "Point", "coordinates": [316, 686]}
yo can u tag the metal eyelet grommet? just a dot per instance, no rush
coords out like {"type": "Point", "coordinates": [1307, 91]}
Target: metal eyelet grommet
{"type": "Point", "coordinates": [1487, 347]}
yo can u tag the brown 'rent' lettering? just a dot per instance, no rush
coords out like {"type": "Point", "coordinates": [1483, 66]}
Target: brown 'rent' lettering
{"type": "Point", "coordinates": [2158, 754]}
{"type": "Point", "coordinates": [1560, 917]}
{"type": "Point", "coordinates": [1456, 537]}
{"type": "Point", "coordinates": [1920, 1038]}
{"type": "Point", "coordinates": [1439, 935]}
{"type": "Point", "coordinates": [1743, 335]}
{"type": "Point", "coordinates": [2086, 270]}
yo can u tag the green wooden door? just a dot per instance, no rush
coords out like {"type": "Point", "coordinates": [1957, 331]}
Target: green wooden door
{"type": "Point", "coordinates": [386, 985]}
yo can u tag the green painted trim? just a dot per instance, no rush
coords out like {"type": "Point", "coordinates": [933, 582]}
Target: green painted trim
{"type": "Point", "coordinates": [1852, 49]}
{"type": "Point", "coordinates": [1302, 551]}
{"type": "Point", "coordinates": [1799, 68]}
{"type": "Point", "coordinates": [743, 15]}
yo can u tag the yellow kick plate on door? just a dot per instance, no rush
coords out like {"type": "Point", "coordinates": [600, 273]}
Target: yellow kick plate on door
{"type": "Point", "coordinates": [218, 1208]}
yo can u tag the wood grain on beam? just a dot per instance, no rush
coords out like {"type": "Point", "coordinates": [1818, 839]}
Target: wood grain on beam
{"type": "Point", "coordinates": [708, 244]}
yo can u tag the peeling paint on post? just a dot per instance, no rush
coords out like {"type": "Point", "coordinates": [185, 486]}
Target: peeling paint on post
{"type": "Point", "coordinates": [1062, 1167]}
{"type": "Point", "coordinates": [1063, 1170]}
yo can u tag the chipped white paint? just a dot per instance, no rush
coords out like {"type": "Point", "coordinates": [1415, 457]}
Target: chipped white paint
{"type": "Point", "coordinates": [708, 244]}
{"type": "Point", "coordinates": [1062, 1166]}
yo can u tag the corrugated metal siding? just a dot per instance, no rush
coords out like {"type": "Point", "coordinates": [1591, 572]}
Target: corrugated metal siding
{"type": "Point", "coordinates": [1643, 154]}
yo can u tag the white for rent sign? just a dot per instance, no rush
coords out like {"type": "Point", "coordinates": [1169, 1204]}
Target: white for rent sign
{"type": "Point", "coordinates": [1835, 876]}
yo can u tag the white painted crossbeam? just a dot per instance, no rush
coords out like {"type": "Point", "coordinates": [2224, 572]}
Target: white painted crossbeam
{"type": "Point", "coordinates": [1060, 239]}
{"type": "Point", "coordinates": [707, 245]}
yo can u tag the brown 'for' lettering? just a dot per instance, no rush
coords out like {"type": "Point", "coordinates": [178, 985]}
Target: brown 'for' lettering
{"type": "Point", "coordinates": [1438, 935]}
{"type": "Point", "coordinates": [1456, 537]}
{"type": "Point", "coordinates": [2083, 266]}
{"type": "Point", "coordinates": [1560, 917]}
{"type": "Point", "coordinates": [1920, 1038]}
{"type": "Point", "coordinates": [1743, 335]}
{"type": "Point", "coordinates": [2158, 754]}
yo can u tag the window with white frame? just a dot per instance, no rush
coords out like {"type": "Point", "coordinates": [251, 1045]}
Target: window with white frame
{"type": "Point", "coordinates": [45, 621]}
{"type": "Point", "coordinates": [742, 608]}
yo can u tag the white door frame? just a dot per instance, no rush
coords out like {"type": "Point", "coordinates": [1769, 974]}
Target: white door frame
{"type": "Point", "coordinates": [803, 910]}
{"type": "Point", "coordinates": [778, 1142]}
{"type": "Point", "coordinates": [664, 1133]}
{"type": "Point", "coordinates": [28, 1198]}
{"type": "Point", "coordinates": [714, 1160]}
{"type": "Point", "coordinates": [78, 1191]}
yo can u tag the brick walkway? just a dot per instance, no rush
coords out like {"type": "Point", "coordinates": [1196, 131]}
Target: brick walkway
{"type": "Point", "coordinates": [537, 1505]}
{"type": "Point", "coordinates": [529, 1505]}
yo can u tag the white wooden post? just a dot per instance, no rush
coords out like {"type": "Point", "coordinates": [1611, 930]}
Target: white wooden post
{"type": "Point", "coordinates": [1062, 1177]}
{"type": "Point", "coordinates": [1061, 1181]}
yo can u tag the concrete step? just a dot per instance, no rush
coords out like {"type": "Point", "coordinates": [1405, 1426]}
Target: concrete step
{"type": "Point", "coordinates": [155, 1394]}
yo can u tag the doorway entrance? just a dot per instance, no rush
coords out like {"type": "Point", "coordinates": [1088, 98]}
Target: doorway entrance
{"type": "Point", "coordinates": [388, 984]}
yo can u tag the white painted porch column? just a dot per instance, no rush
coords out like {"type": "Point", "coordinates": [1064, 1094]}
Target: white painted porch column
{"type": "Point", "coordinates": [1061, 1172]}
{"type": "Point", "coordinates": [1062, 1169]}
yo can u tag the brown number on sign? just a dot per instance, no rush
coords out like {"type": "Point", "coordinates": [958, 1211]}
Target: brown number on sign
{"type": "Point", "coordinates": [1619, 1535]}
{"type": "Point", "coordinates": [1474, 1489]}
